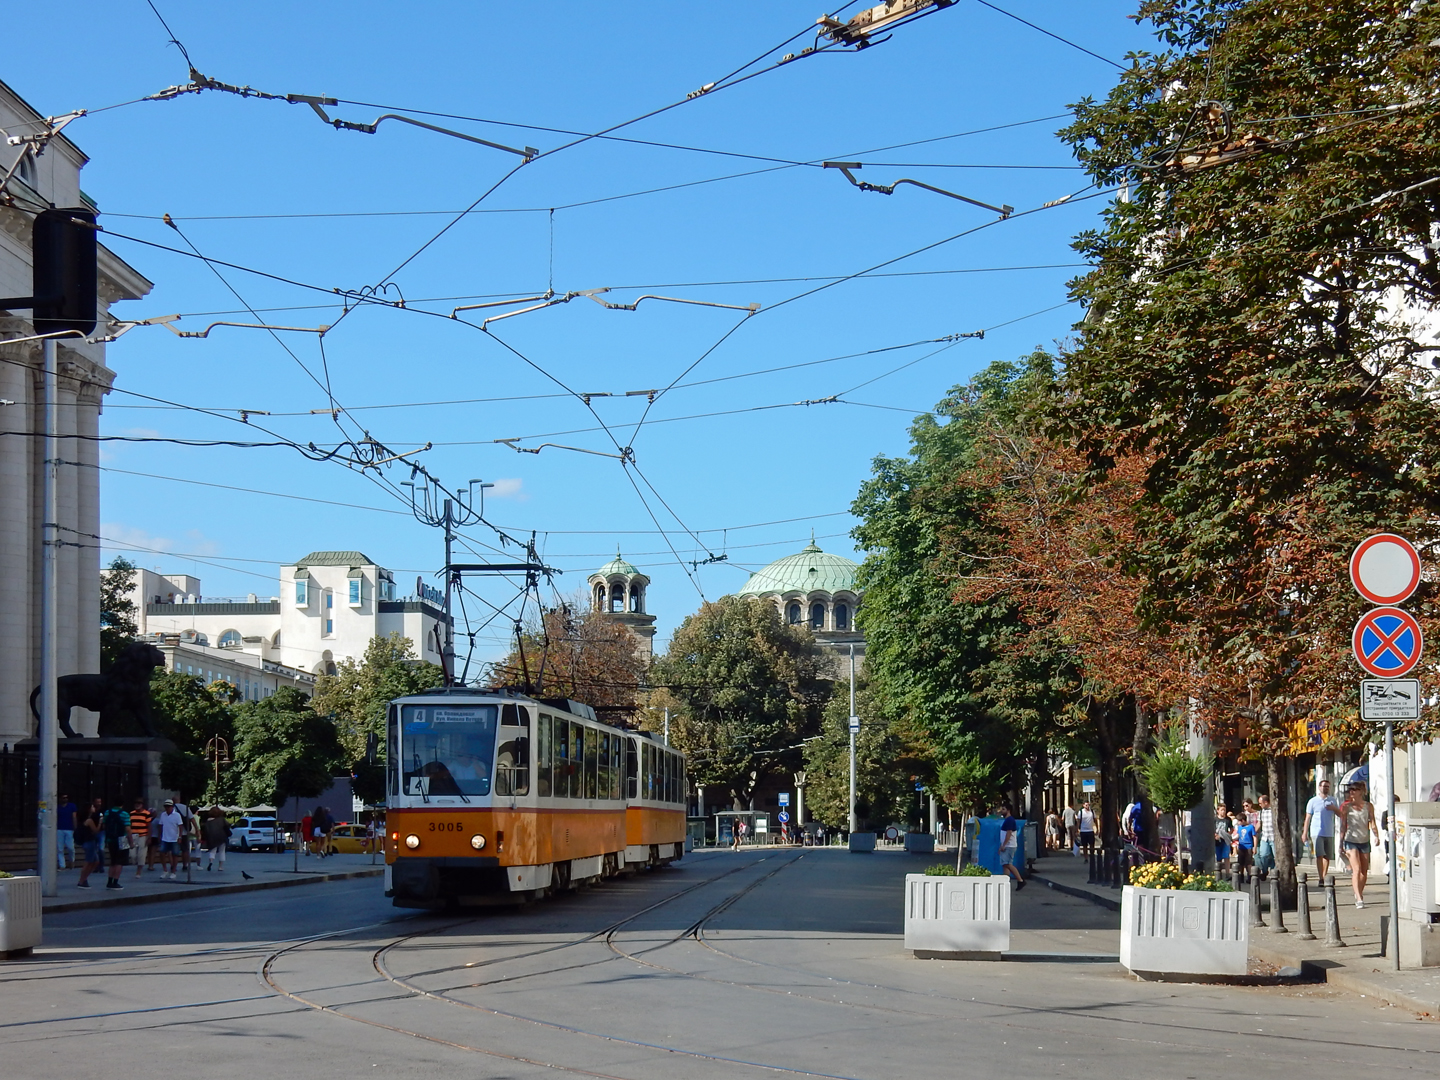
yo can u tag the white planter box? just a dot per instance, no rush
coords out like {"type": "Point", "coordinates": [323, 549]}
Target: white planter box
{"type": "Point", "coordinates": [19, 914]}
{"type": "Point", "coordinates": [1174, 932]}
{"type": "Point", "coordinates": [957, 914]}
{"type": "Point", "coordinates": [922, 843]}
{"type": "Point", "coordinates": [862, 841]}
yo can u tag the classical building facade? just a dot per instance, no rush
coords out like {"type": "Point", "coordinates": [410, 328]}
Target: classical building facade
{"type": "Point", "coordinates": [52, 179]}
{"type": "Point", "coordinates": [617, 590]}
{"type": "Point", "coordinates": [330, 604]}
{"type": "Point", "coordinates": [814, 589]}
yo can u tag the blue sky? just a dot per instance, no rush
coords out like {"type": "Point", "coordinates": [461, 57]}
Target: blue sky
{"type": "Point", "coordinates": [266, 185]}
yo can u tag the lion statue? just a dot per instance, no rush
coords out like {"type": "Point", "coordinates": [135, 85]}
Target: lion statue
{"type": "Point", "coordinates": [123, 691]}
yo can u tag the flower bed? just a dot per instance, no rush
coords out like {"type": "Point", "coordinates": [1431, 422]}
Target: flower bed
{"type": "Point", "coordinates": [1178, 924]}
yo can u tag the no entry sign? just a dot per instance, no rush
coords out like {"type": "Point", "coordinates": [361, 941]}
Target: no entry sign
{"type": "Point", "coordinates": [1387, 642]}
{"type": "Point", "coordinates": [1385, 568]}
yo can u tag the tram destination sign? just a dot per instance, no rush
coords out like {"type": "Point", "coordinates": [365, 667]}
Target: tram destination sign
{"type": "Point", "coordinates": [1389, 699]}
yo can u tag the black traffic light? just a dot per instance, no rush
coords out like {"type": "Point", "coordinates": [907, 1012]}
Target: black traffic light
{"type": "Point", "coordinates": [66, 281]}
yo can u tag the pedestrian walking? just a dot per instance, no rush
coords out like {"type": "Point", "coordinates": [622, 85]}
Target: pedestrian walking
{"type": "Point", "coordinates": [117, 843]}
{"type": "Point", "coordinates": [152, 848]}
{"type": "Point", "coordinates": [65, 812]}
{"type": "Point", "coordinates": [187, 833]}
{"type": "Point", "coordinates": [1359, 828]}
{"type": "Point", "coordinates": [371, 834]}
{"type": "Point", "coordinates": [1265, 839]}
{"type": "Point", "coordinates": [215, 834]}
{"type": "Point", "coordinates": [1052, 831]}
{"type": "Point", "coordinates": [170, 825]}
{"type": "Point", "coordinates": [307, 823]}
{"type": "Point", "coordinates": [1009, 845]}
{"type": "Point", "coordinates": [140, 817]}
{"type": "Point", "coordinates": [1319, 826]}
{"type": "Point", "coordinates": [88, 834]}
{"type": "Point", "coordinates": [1087, 829]}
{"type": "Point", "coordinates": [1245, 846]}
{"type": "Point", "coordinates": [1071, 822]}
{"type": "Point", "coordinates": [1223, 839]}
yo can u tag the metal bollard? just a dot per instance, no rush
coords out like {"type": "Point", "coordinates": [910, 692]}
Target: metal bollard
{"type": "Point", "coordinates": [1235, 875]}
{"type": "Point", "coordinates": [1277, 912]}
{"type": "Point", "coordinates": [1090, 859]}
{"type": "Point", "coordinates": [1255, 917]}
{"type": "Point", "coordinates": [1332, 915]}
{"type": "Point", "coordinates": [1302, 907]}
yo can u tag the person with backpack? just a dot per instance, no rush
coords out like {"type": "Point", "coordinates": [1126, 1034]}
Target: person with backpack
{"type": "Point", "coordinates": [117, 843]}
{"type": "Point", "coordinates": [87, 835]}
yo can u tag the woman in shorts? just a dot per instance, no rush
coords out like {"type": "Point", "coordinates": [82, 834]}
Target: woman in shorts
{"type": "Point", "coordinates": [1359, 817]}
{"type": "Point", "coordinates": [88, 833]}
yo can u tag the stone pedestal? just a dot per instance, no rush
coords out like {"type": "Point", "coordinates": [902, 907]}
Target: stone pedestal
{"type": "Point", "coordinates": [120, 750]}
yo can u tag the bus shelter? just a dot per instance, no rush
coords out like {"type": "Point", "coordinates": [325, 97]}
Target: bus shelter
{"type": "Point", "coordinates": [757, 826]}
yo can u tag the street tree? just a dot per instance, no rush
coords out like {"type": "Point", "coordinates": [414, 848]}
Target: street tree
{"type": "Point", "coordinates": [1257, 334]}
{"type": "Point", "coordinates": [356, 696]}
{"type": "Point", "coordinates": [285, 749]}
{"type": "Point", "coordinates": [117, 610]}
{"type": "Point", "coordinates": [199, 719]}
{"type": "Point", "coordinates": [746, 687]}
{"type": "Point", "coordinates": [574, 651]}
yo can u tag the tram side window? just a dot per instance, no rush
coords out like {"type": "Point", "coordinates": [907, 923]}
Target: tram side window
{"type": "Point", "coordinates": [632, 770]}
{"type": "Point", "coordinates": [392, 756]}
{"type": "Point", "coordinates": [512, 766]}
{"type": "Point", "coordinates": [562, 758]}
{"type": "Point", "coordinates": [592, 762]}
{"type": "Point", "coordinates": [617, 765]}
{"type": "Point", "coordinates": [647, 785]}
{"type": "Point", "coordinates": [662, 775]}
{"type": "Point", "coordinates": [604, 782]}
{"type": "Point", "coordinates": [669, 777]}
{"type": "Point", "coordinates": [578, 738]}
{"type": "Point", "coordinates": [542, 757]}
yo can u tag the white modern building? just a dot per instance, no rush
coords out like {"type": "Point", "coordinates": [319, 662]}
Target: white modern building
{"type": "Point", "coordinates": [330, 604]}
{"type": "Point", "coordinates": [50, 179]}
{"type": "Point", "coordinates": [253, 677]}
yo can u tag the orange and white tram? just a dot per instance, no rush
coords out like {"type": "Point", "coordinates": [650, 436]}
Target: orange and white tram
{"type": "Point", "coordinates": [490, 793]}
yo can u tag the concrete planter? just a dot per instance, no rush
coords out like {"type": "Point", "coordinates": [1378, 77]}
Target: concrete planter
{"type": "Point", "coordinates": [921, 843]}
{"type": "Point", "coordinates": [19, 915]}
{"type": "Point", "coordinates": [1175, 932]}
{"type": "Point", "coordinates": [957, 915]}
{"type": "Point", "coordinates": [862, 841]}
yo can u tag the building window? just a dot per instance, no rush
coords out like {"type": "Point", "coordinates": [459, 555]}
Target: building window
{"type": "Point", "coordinates": [817, 616]}
{"type": "Point", "coordinates": [599, 597]}
{"type": "Point", "coordinates": [355, 592]}
{"type": "Point", "coordinates": [617, 598]}
{"type": "Point", "coordinates": [302, 592]}
{"type": "Point", "coordinates": [792, 614]}
{"type": "Point", "coordinates": [842, 617]}
{"type": "Point", "coordinates": [329, 613]}
{"type": "Point", "coordinates": [231, 639]}
{"type": "Point", "coordinates": [637, 601]}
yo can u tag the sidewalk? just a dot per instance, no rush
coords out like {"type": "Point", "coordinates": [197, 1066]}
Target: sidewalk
{"type": "Point", "coordinates": [1358, 967]}
{"type": "Point", "coordinates": [265, 870]}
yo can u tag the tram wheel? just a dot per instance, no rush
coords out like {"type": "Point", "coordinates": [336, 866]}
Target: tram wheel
{"type": "Point", "coordinates": [560, 877]}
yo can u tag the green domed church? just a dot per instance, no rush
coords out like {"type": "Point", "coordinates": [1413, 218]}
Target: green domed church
{"type": "Point", "coordinates": [815, 589]}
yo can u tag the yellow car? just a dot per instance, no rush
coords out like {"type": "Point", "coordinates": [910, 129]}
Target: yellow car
{"type": "Point", "coordinates": [349, 839]}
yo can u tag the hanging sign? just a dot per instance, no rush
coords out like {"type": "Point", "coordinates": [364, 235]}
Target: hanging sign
{"type": "Point", "coordinates": [1385, 568]}
{"type": "Point", "coordinates": [1389, 699]}
{"type": "Point", "coordinates": [1387, 642]}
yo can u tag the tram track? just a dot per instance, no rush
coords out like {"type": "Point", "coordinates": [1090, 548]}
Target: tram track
{"type": "Point", "coordinates": [608, 933]}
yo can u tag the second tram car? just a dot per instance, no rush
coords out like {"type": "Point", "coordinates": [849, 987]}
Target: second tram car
{"type": "Point", "coordinates": [491, 793]}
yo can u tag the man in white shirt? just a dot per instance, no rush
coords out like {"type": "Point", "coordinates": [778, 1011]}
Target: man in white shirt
{"type": "Point", "coordinates": [1320, 827]}
{"type": "Point", "coordinates": [170, 825]}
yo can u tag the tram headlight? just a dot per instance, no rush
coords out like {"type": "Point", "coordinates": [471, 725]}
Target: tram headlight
{"type": "Point", "coordinates": [477, 842]}
{"type": "Point", "coordinates": [412, 841]}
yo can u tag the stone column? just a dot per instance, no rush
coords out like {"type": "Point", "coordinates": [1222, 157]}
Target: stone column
{"type": "Point", "coordinates": [17, 539]}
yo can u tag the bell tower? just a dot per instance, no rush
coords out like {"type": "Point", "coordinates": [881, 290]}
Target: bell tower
{"type": "Point", "coordinates": [617, 591]}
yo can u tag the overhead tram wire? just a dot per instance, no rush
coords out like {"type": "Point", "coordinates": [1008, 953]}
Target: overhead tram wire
{"type": "Point", "coordinates": [1050, 33]}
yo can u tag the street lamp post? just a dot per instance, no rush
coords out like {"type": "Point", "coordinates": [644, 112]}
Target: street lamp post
{"type": "Point", "coordinates": [854, 730]}
{"type": "Point", "coordinates": [217, 752]}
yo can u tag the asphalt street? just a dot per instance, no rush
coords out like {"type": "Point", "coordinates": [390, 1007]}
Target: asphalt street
{"type": "Point", "coordinates": [768, 962]}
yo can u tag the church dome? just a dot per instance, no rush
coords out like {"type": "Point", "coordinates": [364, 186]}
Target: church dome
{"type": "Point", "coordinates": [616, 565]}
{"type": "Point", "coordinates": [810, 570]}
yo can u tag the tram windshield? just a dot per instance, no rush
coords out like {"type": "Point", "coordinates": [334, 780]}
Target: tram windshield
{"type": "Point", "coordinates": [447, 749]}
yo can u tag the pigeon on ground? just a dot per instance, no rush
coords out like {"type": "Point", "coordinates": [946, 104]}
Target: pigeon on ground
{"type": "Point", "coordinates": [246, 876]}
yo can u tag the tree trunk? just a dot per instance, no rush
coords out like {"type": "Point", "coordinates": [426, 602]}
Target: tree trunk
{"type": "Point", "coordinates": [1284, 848]}
{"type": "Point", "coordinates": [1109, 717]}
{"type": "Point", "coordinates": [1039, 771]}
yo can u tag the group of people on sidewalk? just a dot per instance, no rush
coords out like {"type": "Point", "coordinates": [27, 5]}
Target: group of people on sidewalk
{"type": "Point", "coordinates": [1071, 828]}
{"type": "Point", "coordinates": [115, 838]}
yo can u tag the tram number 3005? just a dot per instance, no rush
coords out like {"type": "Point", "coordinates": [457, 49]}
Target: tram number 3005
{"type": "Point", "coordinates": [447, 826]}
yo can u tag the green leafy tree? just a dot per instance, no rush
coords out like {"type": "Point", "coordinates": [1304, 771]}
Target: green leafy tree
{"type": "Point", "coordinates": [746, 688]}
{"type": "Point", "coordinates": [285, 749]}
{"type": "Point", "coordinates": [1173, 777]}
{"type": "Point", "coordinates": [357, 694]}
{"type": "Point", "coordinates": [888, 761]}
{"type": "Point", "coordinates": [117, 610]}
{"type": "Point", "coordinates": [1257, 332]}
{"type": "Point", "coordinates": [200, 721]}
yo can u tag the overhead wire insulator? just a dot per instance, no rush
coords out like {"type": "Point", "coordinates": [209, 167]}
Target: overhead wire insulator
{"type": "Point", "coordinates": [845, 168]}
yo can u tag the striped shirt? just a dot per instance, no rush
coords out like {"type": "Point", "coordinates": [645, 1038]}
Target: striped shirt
{"type": "Point", "coordinates": [1267, 826]}
{"type": "Point", "coordinates": [140, 822]}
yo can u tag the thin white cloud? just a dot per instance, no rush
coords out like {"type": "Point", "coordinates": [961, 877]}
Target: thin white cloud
{"type": "Point", "coordinates": [120, 537]}
{"type": "Point", "coordinates": [508, 488]}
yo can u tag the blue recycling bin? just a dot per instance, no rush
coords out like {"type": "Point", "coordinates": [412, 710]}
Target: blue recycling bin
{"type": "Point", "coordinates": [985, 851]}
